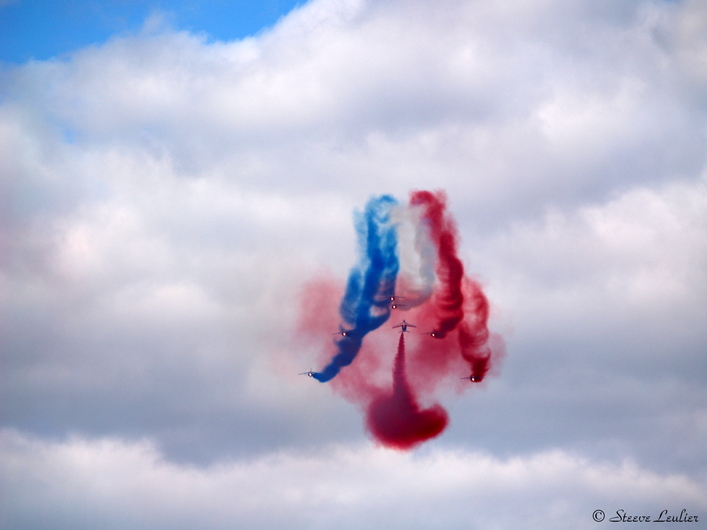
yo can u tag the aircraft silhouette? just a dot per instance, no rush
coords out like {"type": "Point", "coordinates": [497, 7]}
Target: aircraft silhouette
{"type": "Point", "coordinates": [404, 325]}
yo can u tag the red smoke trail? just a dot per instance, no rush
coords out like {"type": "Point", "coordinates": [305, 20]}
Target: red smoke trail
{"type": "Point", "coordinates": [448, 298]}
{"type": "Point", "coordinates": [396, 419]}
{"type": "Point", "coordinates": [458, 303]}
{"type": "Point", "coordinates": [474, 333]}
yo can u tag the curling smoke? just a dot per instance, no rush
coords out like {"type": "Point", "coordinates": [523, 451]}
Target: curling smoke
{"type": "Point", "coordinates": [417, 255]}
{"type": "Point", "coordinates": [371, 283]}
{"type": "Point", "coordinates": [412, 253]}
{"type": "Point", "coordinates": [448, 298]}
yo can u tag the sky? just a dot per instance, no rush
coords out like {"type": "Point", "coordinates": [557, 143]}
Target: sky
{"type": "Point", "coordinates": [168, 186]}
{"type": "Point", "coordinates": [36, 29]}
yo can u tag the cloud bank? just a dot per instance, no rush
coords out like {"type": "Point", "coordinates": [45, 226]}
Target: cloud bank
{"type": "Point", "coordinates": [109, 483]}
{"type": "Point", "coordinates": [164, 199]}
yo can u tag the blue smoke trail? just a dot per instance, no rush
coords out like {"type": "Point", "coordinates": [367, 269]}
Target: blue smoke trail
{"type": "Point", "coordinates": [366, 303]}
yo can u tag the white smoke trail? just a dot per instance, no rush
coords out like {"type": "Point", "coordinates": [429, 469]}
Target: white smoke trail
{"type": "Point", "coordinates": [417, 255]}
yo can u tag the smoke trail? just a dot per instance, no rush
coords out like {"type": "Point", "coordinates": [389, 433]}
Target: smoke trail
{"type": "Point", "coordinates": [448, 299]}
{"type": "Point", "coordinates": [396, 419]}
{"type": "Point", "coordinates": [408, 252]}
{"type": "Point", "coordinates": [474, 333]}
{"type": "Point", "coordinates": [371, 283]}
{"type": "Point", "coordinates": [418, 255]}
{"type": "Point", "coordinates": [458, 303]}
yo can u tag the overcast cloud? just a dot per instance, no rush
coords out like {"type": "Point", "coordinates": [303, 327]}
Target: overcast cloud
{"type": "Point", "coordinates": [163, 199]}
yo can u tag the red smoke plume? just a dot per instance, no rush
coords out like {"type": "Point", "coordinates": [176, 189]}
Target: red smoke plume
{"type": "Point", "coordinates": [458, 303]}
{"type": "Point", "coordinates": [396, 419]}
{"type": "Point", "coordinates": [447, 298]}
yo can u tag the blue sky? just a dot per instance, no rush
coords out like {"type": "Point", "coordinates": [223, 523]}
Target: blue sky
{"type": "Point", "coordinates": [39, 29]}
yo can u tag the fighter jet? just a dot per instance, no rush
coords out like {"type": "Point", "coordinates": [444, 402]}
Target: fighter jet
{"type": "Point", "coordinates": [343, 332]}
{"type": "Point", "coordinates": [395, 305]}
{"type": "Point", "coordinates": [474, 378]}
{"type": "Point", "coordinates": [404, 325]}
{"type": "Point", "coordinates": [434, 334]}
{"type": "Point", "coordinates": [310, 373]}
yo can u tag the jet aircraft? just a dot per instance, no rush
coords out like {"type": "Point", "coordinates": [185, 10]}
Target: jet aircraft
{"type": "Point", "coordinates": [309, 374]}
{"type": "Point", "coordinates": [474, 378]}
{"type": "Point", "coordinates": [404, 325]}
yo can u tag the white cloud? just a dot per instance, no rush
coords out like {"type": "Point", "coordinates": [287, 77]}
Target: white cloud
{"type": "Point", "coordinates": [110, 483]}
{"type": "Point", "coordinates": [636, 260]}
{"type": "Point", "coordinates": [468, 97]}
{"type": "Point", "coordinates": [163, 199]}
